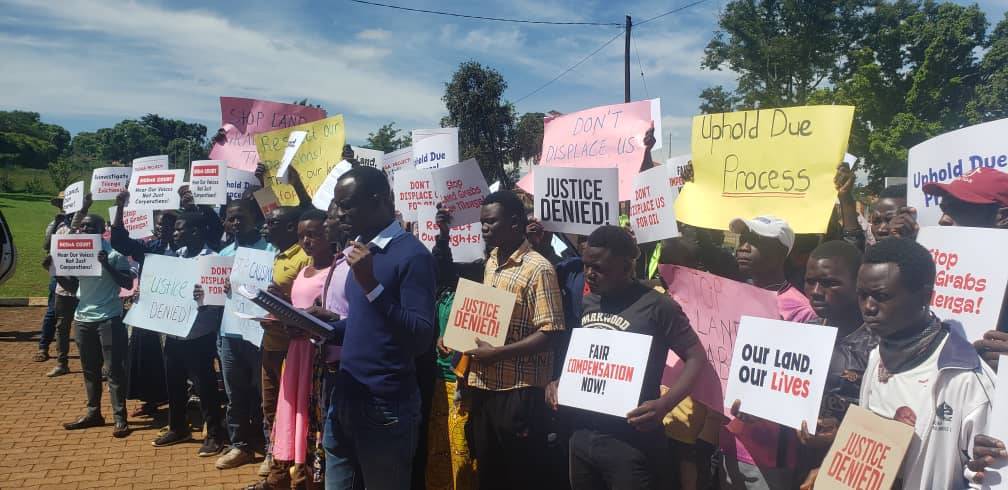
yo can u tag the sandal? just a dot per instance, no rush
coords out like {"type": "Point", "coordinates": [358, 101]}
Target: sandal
{"type": "Point", "coordinates": [41, 356]}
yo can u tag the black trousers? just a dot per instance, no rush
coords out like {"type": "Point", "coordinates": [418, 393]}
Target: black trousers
{"type": "Point", "coordinates": [599, 461]}
{"type": "Point", "coordinates": [99, 343]}
{"type": "Point", "coordinates": [507, 434]}
{"type": "Point", "coordinates": [193, 359]}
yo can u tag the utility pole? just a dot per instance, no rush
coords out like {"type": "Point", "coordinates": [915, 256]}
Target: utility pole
{"type": "Point", "coordinates": [626, 62]}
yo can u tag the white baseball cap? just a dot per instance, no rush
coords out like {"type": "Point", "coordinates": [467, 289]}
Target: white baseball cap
{"type": "Point", "coordinates": [768, 226]}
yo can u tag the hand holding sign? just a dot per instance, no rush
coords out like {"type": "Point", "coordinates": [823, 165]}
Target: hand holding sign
{"type": "Point", "coordinates": [479, 317]}
{"type": "Point", "coordinates": [362, 265]}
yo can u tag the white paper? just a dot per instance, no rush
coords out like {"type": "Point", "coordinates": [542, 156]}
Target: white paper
{"type": "Point", "coordinates": [495, 186]}
{"type": "Point", "coordinates": [239, 181]}
{"type": "Point", "coordinates": [461, 188]}
{"type": "Point", "coordinates": [214, 271]}
{"type": "Point", "coordinates": [368, 157]}
{"type": "Point", "coordinates": [252, 269]}
{"type": "Point", "coordinates": [293, 143]}
{"type": "Point", "coordinates": [652, 215]}
{"type": "Point", "coordinates": [138, 223]}
{"type": "Point", "coordinates": [604, 370]}
{"type": "Point", "coordinates": [324, 195]}
{"type": "Point", "coordinates": [208, 182]}
{"type": "Point", "coordinates": [108, 182]}
{"type": "Point", "coordinates": [437, 151]}
{"type": "Point", "coordinates": [465, 241]}
{"type": "Point", "coordinates": [576, 200]}
{"type": "Point", "coordinates": [413, 190]}
{"type": "Point", "coordinates": [155, 189]}
{"type": "Point", "coordinates": [419, 135]}
{"type": "Point", "coordinates": [995, 476]}
{"type": "Point", "coordinates": [166, 303]}
{"type": "Point", "coordinates": [73, 197]}
{"type": "Point", "coordinates": [656, 117]}
{"type": "Point", "coordinates": [778, 370]}
{"type": "Point", "coordinates": [76, 255]}
{"type": "Point", "coordinates": [674, 167]}
{"type": "Point", "coordinates": [154, 162]}
{"type": "Point", "coordinates": [396, 161]}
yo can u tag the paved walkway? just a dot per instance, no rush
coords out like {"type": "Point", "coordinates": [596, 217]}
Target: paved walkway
{"type": "Point", "coordinates": [36, 452]}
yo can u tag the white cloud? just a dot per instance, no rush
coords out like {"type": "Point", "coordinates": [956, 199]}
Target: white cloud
{"type": "Point", "coordinates": [374, 35]}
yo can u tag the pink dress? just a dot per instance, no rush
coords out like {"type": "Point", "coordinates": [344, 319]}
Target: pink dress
{"type": "Point", "coordinates": [290, 430]}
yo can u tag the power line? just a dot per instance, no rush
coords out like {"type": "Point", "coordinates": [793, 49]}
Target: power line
{"type": "Point", "coordinates": [641, 66]}
{"type": "Point", "coordinates": [677, 9]}
{"type": "Point", "coordinates": [575, 65]}
{"type": "Point", "coordinates": [498, 19]}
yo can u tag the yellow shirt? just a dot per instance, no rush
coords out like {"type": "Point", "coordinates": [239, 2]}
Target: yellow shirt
{"type": "Point", "coordinates": [286, 267]}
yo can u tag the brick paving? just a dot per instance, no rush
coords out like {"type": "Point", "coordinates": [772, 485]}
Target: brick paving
{"type": "Point", "coordinates": [36, 452]}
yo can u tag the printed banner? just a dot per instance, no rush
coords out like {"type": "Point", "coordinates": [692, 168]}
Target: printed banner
{"type": "Point", "coordinates": [437, 151]}
{"type": "Point", "coordinates": [139, 223]}
{"type": "Point", "coordinates": [675, 167]}
{"type": "Point", "coordinates": [970, 286]}
{"type": "Point", "coordinates": [413, 191]}
{"type": "Point", "coordinates": [867, 452]}
{"type": "Point", "coordinates": [108, 182]}
{"type": "Point", "coordinates": [239, 181]}
{"type": "Point", "coordinates": [714, 306]}
{"type": "Point", "coordinates": [324, 196]}
{"type": "Point", "coordinates": [778, 162]}
{"type": "Point", "coordinates": [575, 200]}
{"type": "Point", "coordinates": [252, 268]}
{"type": "Point", "coordinates": [368, 157]}
{"type": "Point", "coordinates": [75, 255]}
{"type": "Point", "coordinates": [266, 200]}
{"type": "Point", "coordinates": [153, 162]}
{"type": "Point", "coordinates": [396, 161]}
{"type": "Point", "coordinates": [604, 370]}
{"type": "Point", "coordinates": [949, 156]}
{"type": "Point", "coordinates": [461, 189]}
{"type": "Point", "coordinates": [478, 312]}
{"type": "Point", "coordinates": [214, 271]}
{"type": "Point", "coordinates": [242, 119]}
{"type": "Point", "coordinates": [155, 189]}
{"type": "Point", "coordinates": [465, 241]}
{"type": "Point", "coordinates": [321, 150]}
{"type": "Point", "coordinates": [166, 303]}
{"type": "Point", "coordinates": [294, 140]}
{"type": "Point", "coordinates": [651, 215]}
{"type": "Point", "coordinates": [208, 182]}
{"type": "Point", "coordinates": [73, 197]}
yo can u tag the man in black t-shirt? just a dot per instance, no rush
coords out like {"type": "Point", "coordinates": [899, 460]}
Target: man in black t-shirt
{"type": "Point", "coordinates": [632, 452]}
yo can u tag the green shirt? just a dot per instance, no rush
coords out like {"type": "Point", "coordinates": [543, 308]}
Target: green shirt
{"type": "Point", "coordinates": [443, 306]}
{"type": "Point", "coordinates": [98, 296]}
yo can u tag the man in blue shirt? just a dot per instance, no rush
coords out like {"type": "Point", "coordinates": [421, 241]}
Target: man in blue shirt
{"type": "Point", "coordinates": [372, 425]}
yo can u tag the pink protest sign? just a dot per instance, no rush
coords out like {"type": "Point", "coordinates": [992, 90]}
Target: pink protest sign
{"type": "Point", "coordinates": [244, 118]}
{"type": "Point", "coordinates": [607, 136]}
{"type": "Point", "coordinates": [714, 306]}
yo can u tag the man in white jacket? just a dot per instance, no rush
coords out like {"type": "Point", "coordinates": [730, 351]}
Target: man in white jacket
{"type": "Point", "coordinates": [923, 372]}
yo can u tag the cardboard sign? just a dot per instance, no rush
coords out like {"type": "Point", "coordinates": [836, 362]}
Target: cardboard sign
{"type": "Point", "coordinates": [252, 268]}
{"type": "Point", "coordinates": [242, 119]}
{"type": "Point", "coordinates": [867, 452]}
{"type": "Point", "coordinates": [461, 188]}
{"type": "Point", "coordinates": [166, 303]}
{"type": "Point", "coordinates": [465, 241]}
{"type": "Point", "coordinates": [108, 182]}
{"type": "Point", "coordinates": [208, 182]}
{"type": "Point", "coordinates": [600, 137]}
{"type": "Point", "coordinates": [970, 284]}
{"type": "Point", "coordinates": [324, 196]}
{"type": "Point", "coordinates": [778, 370]}
{"type": "Point", "coordinates": [778, 162]}
{"type": "Point", "coordinates": [75, 255]}
{"type": "Point", "coordinates": [651, 215]}
{"type": "Point", "coordinates": [413, 191]}
{"type": "Point", "coordinates": [604, 370]}
{"type": "Point", "coordinates": [294, 140]}
{"type": "Point", "coordinates": [478, 312]}
{"type": "Point", "coordinates": [155, 189]}
{"type": "Point", "coordinates": [714, 306]}
{"type": "Point", "coordinates": [368, 157]}
{"type": "Point", "coordinates": [153, 162]}
{"type": "Point", "coordinates": [139, 223]}
{"type": "Point", "coordinates": [73, 197]}
{"type": "Point", "coordinates": [266, 200]}
{"type": "Point", "coordinates": [398, 160]}
{"type": "Point", "coordinates": [675, 167]}
{"type": "Point", "coordinates": [437, 151]}
{"type": "Point", "coordinates": [321, 150]}
{"type": "Point", "coordinates": [575, 200]}
{"type": "Point", "coordinates": [214, 272]}
{"type": "Point", "coordinates": [239, 181]}
{"type": "Point", "coordinates": [996, 477]}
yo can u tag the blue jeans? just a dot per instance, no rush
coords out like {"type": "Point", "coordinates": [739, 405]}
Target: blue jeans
{"type": "Point", "coordinates": [240, 363]}
{"type": "Point", "coordinates": [370, 441]}
{"type": "Point", "coordinates": [49, 320]}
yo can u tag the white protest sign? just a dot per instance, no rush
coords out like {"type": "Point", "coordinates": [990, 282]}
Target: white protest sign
{"type": "Point", "coordinates": [324, 195]}
{"type": "Point", "coordinates": [208, 181]}
{"type": "Point", "coordinates": [465, 241]}
{"type": "Point", "coordinates": [75, 255]}
{"type": "Point", "coordinates": [139, 224]}
{"type": "Point", "coordinates": [214, 271]}
{"type": "Point", "coordinates": [108, 182]}
{"type": "Point", "coordinates": [239, 181]}
{"type": "Point", "coordinates": [604, 370]}
{"type": "Point", "coordinates": [166, 303]}
{"type": "Point", "coordinates": [461, 189]}
{"type": "Point", "coordinates": [675, 167]}
{"type": "Point", "coordinates": [478, 312]}
{"type": "Point", "coordinates": [970, 284]}
{"type": "Point", "coordinates": [368, 157]}
{"type": "Point", "coordinates": [778, 370]}
{"type": "Point", "coordinates": [949, 156]}
{"type": "Point", "coordinates": [293, 143]}
{"type": "Point", "coordinates": [155, 162]}
{"type": "Point", "coordinates": [652, 217]}
{"type": "Point", "coordinates": [413, 191]}
{"type": "Point", "coordinates": [396, 161]}
{"type": "Point", "coordinates": [656, 118]}
{"type": "Point", "coordinates": [73, 197]}
{"type": "Point", "coordinates": [495, 186]}
{"type": "Point", "coordinates": [576, 200]}
{"type": "Point", "coordinates": [437, 151]}
{"type": "Point", "coordinates": [421, 134]}
{"type": "Point", "coordinates": [996, 476]}
{"type": "Point", "coordinates": [155, 189]}
{"type": "Point", "coordinates": [252, 268]}
{"type": "Point", "coordinates": [266, 200]}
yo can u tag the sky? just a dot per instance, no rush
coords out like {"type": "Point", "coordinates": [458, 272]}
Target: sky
{"type": "Point", "coordinates": [88, 64]}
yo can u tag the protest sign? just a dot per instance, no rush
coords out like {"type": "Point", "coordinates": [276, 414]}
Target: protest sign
{"type": "Point", "coordinates": [600, 137]}
{"type": "Point", "coordinates": [465, 241]}
{"type": "Point", "coordinates": [155, 189]}
{"type": "Point", "coordinates": [368, 157]}
{"type": "Point", "coordinates": [254, 269]}
{"type": "Point", "coordinates": [324, 195]}
{"type": "Point", "coordinates": [242, 119]}
{"type": "Point", "coordinates": [675, 167]}
{"type": "Point", "coordinates": [208, 181]}
{"type": "Point", "coordinates": [461, 189]}
{"type": "Point", "coordinates": [714, 306]}
{"type": "Point", "coordinates": [418, 135]}
{"type": "Point", "coordinates": [396, 161]}
{"type": "Point", "coordinates": [969, 286]}
{"type": "Point", "coordinates": [138, 223]}
{"type": "Point", "coordinates": [166, 303]}
{"type": "Point", "coordinates": [266, 200]}
{"type": "Point", "coordinates": [651, 215]}
{"type": "Point", "coordinates": [778, 369]}
{"type": "Point", "coordinates": [153, 162]}
{"type": "Point", "coordinates": [949, 156]}
{"type": "Point", "coordinates": [575, 200]}
{"type": "Point", "coordinates": [866, 453]}
{"type": "Point", "coordinates": [778, 162]}
{"type": "Point", "coordinates": [108, 182]}
{"type": "Point", "coordinates": [604, 370]}
{"type": "Point", "coordinates": [413, 191]}
{"type": "Point", "coordinates": [294, 140]}
{"type": "Point", "coordinates": [214, 271]}
{"type": "Point", "coordinates": [75, 255]}
{"type": "Point", "coordinates": [996, 475]}
{"type": "Point", "coordinates": [73, 197]}
{"type": "Point", "coordinates": [478, 312]}
{"type": "Point", "coordinates": [321, 150]}
{"type": "Point", "coordinates": [437, 151]}
{"type": "Point", "coordinates": [239, 181]}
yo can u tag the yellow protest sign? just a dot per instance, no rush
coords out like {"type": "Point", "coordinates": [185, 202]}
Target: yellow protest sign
{"type": "Point", "coordinates": [777, 162]}
{"type": "Point", "coordinates": [321, 150]}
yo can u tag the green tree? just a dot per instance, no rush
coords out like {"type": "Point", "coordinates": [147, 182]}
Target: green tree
{"type": "Point", "coordinates": [87, 148]}
{"type": "Point", "coordinates": [388, 139]}
{"type": "Point", "coordinates": [528, 137]}
{"type": "Point", "coordinates": [129, 139]}
{"type": "Point", "coordinates": [715, 100]}
{"type": "Point", "coordinates": [486, 122]}
{"type": "Point", "coordinates": [182, 151]}
{"type": "Point", "coordinates": [26, 140]}
{"type": "Point", "coordinates": [62, 172]}
{"type": "Point", "coordinates": [991, 99]}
